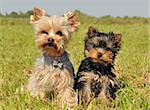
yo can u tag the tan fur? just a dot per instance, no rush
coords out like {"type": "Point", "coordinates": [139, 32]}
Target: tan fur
{"type": "Point", "coordinates": [106, 55]}
{"type": "Point", "coordinates": [66, 24]}
{"type": "Point", "coordinates": [118, 37]}
{"type": "Point", "coordinates": [47, 79]}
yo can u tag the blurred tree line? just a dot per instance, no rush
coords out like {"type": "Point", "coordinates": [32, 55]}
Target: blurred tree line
{"type": "Point", "coordinates": [20, 14]}
{"type": "Point", "coordinates": [107, 19]}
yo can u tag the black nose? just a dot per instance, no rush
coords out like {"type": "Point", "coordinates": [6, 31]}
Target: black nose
{"type": "Point", "coordinates": [50, 40]}
{"type": "Point", "coordinates": [99, 55]}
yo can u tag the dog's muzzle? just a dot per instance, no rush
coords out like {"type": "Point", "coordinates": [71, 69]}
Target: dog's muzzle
{"type": "Point", "coordinates": [50, 41]}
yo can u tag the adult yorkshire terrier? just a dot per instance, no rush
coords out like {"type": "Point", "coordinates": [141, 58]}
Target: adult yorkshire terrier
{"type": "Point", "coordinates": [95, 77]}
{"type": "Point", "coordinates": [53, 73]}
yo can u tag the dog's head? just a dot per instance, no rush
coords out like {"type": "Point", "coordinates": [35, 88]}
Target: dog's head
{"type": "Point", "coordinates": [53, 32]}
{"type": "Point", "coordinates": [101, 47]}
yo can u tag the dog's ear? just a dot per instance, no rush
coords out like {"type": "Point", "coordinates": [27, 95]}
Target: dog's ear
{"type": "Point", "coordinates": [91, 31]}
{"type": "Point", "coordinates": [71, 18]}
{"type": "Point", "coordinates": [118, 37]}
{"type": "Point", "coordinates": [37, 14]}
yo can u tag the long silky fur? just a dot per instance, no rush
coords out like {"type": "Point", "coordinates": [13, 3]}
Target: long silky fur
{"type": "Point", "coordinates": [95, 80]}
{"type": "Point", "coordinates": [48, 79]}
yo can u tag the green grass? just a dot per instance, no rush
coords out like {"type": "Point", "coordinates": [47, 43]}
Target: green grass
{"type": "Point", "coordinates": [18, 53]}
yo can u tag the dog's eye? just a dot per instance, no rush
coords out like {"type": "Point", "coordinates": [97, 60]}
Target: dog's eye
{"type": "Point", "coordinates": [59, 33]}
{"type": "Point", "coordinates": [94, 46]}
{"type": "Point", "coordinates": [108, 49]}
{"type": "Point", "coordinates": [102, 44]}
{"type": "Point", "coordinates": [44, 32]}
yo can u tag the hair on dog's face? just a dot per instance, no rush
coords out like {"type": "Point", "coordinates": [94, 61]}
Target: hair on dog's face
{"type": "Point", "coordinates": [52, 33]}
{"type": "Point", "coordinates": [101, 47]}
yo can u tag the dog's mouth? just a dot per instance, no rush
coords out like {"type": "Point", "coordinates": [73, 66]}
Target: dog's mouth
{"type": "Point", "coordinates": [49, 45]}
{"type": "Point", "coordinates": [52, 49]}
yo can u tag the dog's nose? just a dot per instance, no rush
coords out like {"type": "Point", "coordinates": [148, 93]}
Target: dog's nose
{"type": "Point", "coordinates": [99, 55]}
{"type": "Point", "coordinates": [50, 40]}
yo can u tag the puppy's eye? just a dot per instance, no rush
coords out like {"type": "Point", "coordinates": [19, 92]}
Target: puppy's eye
{"type": "Point", "coordinates": [108, 49]}
{"type": "Point", "coordinates": [44, 32]}
{"type": "Point", "coordinates": [59, 33]}
{"type": "Point", "coordinates": [102, 44]}
{"type": "Point", "coordinates": [94, 46]}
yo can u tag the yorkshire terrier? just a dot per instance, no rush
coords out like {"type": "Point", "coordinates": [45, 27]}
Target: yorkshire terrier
{"type": "Point", "coordinates": [95, 77]}
{"type": "Point", "coordinates": [53, 73]}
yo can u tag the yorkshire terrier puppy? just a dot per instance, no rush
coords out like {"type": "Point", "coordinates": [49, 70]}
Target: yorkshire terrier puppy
{"type": "Point", "coordinates": [53, 73]}
{"type": "Point", "coordinates": [95, 77]}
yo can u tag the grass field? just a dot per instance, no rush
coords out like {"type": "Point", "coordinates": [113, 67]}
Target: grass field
{"type": "Point", "coordinates": [18, 52]}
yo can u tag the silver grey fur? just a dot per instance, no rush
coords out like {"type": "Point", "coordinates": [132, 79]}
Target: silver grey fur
{"type": "Point", "coordinates": [43, 81]}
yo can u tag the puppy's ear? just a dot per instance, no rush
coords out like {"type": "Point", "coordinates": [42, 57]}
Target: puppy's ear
{"type": "Point", "coordinates": [71, 18]}
{"type": "Point", "coordinates": [91, 31]}
{"type": "Point", "coordinates": [37, 14]}
{"type": "Point", "coordinates": [118, 37]}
